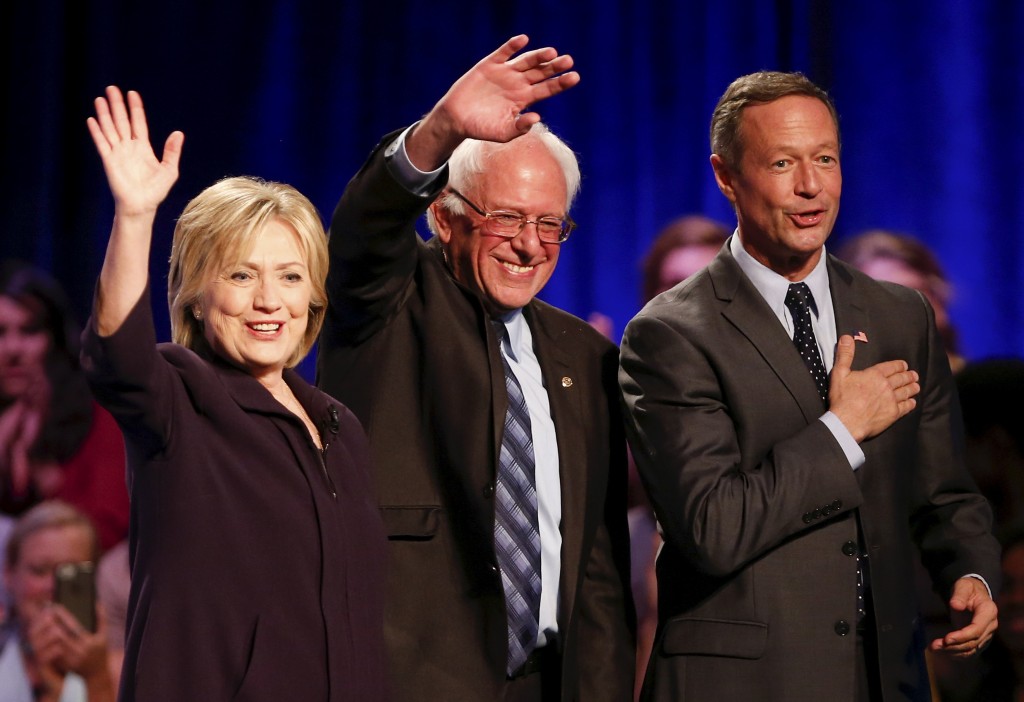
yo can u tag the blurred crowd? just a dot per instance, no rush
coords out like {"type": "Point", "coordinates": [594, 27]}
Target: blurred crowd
{"type": "Point", "coordinates": [63, 499]}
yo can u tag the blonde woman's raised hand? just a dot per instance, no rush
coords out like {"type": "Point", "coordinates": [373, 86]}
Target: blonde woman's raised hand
{"type": "Point", "coordinates": [138, 180]}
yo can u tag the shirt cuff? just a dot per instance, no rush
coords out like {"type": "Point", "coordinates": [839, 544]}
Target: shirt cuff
{"type": "Point", "coordinates": [846, 441]}
{"type": "Point", "coordinates": [414, 180]}
{"type": "Point", "coordinates": [983, 582]}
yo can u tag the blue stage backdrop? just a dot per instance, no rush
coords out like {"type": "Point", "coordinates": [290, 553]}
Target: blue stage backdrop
{"type": "Point", "coordinates": [930, 96]}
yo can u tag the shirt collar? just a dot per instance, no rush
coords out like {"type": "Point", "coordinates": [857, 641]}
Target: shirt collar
{"type": "Point", "coordinates": [772, 286]}
{"type": "Point", "coordinates": [514, 322]}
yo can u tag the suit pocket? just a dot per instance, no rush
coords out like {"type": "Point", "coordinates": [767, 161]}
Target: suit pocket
{"type": "Point", "coordinates": [714, 637]}
{"type": "Point", "coordinates": [255, 664]}
{"type": "Point", "coordinates": [411, 523]}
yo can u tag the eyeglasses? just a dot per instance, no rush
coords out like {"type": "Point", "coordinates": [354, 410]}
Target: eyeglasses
{"type": "Point", "coordinates": [506, 224]}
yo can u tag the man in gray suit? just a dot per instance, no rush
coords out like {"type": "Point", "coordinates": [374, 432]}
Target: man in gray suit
{"type": "Point", "coordinates": [793, 498]}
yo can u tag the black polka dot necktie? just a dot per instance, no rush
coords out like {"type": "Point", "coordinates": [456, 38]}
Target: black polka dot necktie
{"type": "Point", "coordinates": [800, 301]}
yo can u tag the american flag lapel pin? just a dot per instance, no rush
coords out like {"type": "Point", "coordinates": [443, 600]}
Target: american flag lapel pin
{"type": "Point", "coordinates": [860, 336]}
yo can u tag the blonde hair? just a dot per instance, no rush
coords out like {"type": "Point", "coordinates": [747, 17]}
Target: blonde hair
{"type": "Point", "coordinates": [218, 227]}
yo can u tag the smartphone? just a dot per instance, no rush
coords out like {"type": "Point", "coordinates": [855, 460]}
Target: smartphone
{"type": "Point", "coordinates": [74, 587]}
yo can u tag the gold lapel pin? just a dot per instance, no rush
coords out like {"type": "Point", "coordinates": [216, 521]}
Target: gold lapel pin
{"type": "Point", "coordinates": [566, 382]}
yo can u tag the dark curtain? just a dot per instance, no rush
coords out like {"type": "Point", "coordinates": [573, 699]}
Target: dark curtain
{"type": "Point", "coordinates": [930, 96]}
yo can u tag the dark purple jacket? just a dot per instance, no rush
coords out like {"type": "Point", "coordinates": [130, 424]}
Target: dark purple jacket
{"type": "Point", "coordinates": [257, 567]}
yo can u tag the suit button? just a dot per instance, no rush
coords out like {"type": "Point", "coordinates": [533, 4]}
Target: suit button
{"type": "Point", "coordinates": [816, 514]}
{"type": "Point", "coordinates": [837, 505]}
{"type": "Point", "coordinates": [850, 548]}
{"type": "Point", "coordinates": [842, 627]}
{"type": "Point", "coordinates": [808, 518]}
{"type": "Point", "coordinates": [489, 490]}
{"type": "Point", "coordinates": [494, 569]}
{"type": "Point", "coordinates": [826, 511]}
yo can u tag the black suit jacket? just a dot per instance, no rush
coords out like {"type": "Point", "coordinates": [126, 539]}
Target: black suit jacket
{"type": "Point", "coordinates": [412, 352]}
{"type": "Point", "coordinates": [757, 581]}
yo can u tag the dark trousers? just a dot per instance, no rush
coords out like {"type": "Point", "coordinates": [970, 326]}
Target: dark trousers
{"type": "Point", "coordinates": [540, 679]}
{"type": "Point", "coordinates": [869, 679]}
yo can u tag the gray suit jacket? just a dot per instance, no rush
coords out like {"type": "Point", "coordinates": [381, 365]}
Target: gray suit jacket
{"type": "Point", "coordinates": [757, 581]}
{"type": "Point", "coordinates": [414, 356]}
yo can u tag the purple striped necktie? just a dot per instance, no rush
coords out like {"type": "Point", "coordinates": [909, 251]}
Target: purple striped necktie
{"type": "Point", "coordinates": [516, 533]}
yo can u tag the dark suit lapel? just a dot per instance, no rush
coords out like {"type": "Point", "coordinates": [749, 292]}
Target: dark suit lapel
{"type": "Point", "coordinates": [499, 396]}
{"type": "Point", "coordinates": [851, 316]}
{"type": "Point", "coordinates": [553, 350]}
{"type": "Point", "coordinates": [750, 314]}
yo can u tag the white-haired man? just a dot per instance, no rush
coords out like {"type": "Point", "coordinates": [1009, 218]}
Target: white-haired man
{"type": "Point", "coordinates": [492, 416]}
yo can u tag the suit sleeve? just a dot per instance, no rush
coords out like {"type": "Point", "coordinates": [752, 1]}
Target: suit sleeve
{"type": "Point", "coordinates": [373, 249]}
{"type": "Point", "coordinates": [131, 380]}
{"type": "Point", "coordinates": [686, 415]}
{"type": "Point", "coordinates": [951, 522]}
{"type": "Point", "coordinates": [607, 631]}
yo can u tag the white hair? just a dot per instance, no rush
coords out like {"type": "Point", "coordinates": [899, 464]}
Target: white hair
{"type": "Point", "coordinates": [469, 160]}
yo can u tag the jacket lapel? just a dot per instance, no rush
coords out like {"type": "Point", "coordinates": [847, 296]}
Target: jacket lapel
{"type": "Point", "coordinates": [851, 316]}
{"type": "Point", "coordinates": [744, 307]}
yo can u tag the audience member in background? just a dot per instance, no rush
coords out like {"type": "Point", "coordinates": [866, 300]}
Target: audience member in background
{"type": "Point", "coordinates": [55, 441]}
{"type": "Point", "coordinates": [990, 395]}
{"type": "Point", "coordinates": [113, 586]}
{"type": "Point", "coordinates": [902, 259]}
{"type": "Point", "coordinates": [681, 248]}
{"type": "Point", "coordinates": [45, 653]}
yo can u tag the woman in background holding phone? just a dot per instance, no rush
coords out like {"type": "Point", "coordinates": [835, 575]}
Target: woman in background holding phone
{"type": "Point", "coordinates": [56, 443]}
{"type": "Point", "coordinates": [46, 655]}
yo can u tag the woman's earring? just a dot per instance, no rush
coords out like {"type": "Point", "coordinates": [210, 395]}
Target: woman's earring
{"type": "Point", "coordinates": [197, 313]}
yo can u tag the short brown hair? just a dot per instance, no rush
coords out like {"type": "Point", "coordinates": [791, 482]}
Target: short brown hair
{"type": "Point", "coordinates": [218, 227]}
{"type": "Point", "coordinates": [757, 89]}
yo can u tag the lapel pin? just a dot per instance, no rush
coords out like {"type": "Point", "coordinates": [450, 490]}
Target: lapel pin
{"type": "Point", "coordinates": [566, 382]}
{"type": "Point", "coordinates": [860, 336]}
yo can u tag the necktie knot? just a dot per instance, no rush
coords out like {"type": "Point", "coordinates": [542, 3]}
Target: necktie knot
{"type": "Point", "coordinates": [799, 296]}
{"type": "Point", "coordinates": [499, 330]}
